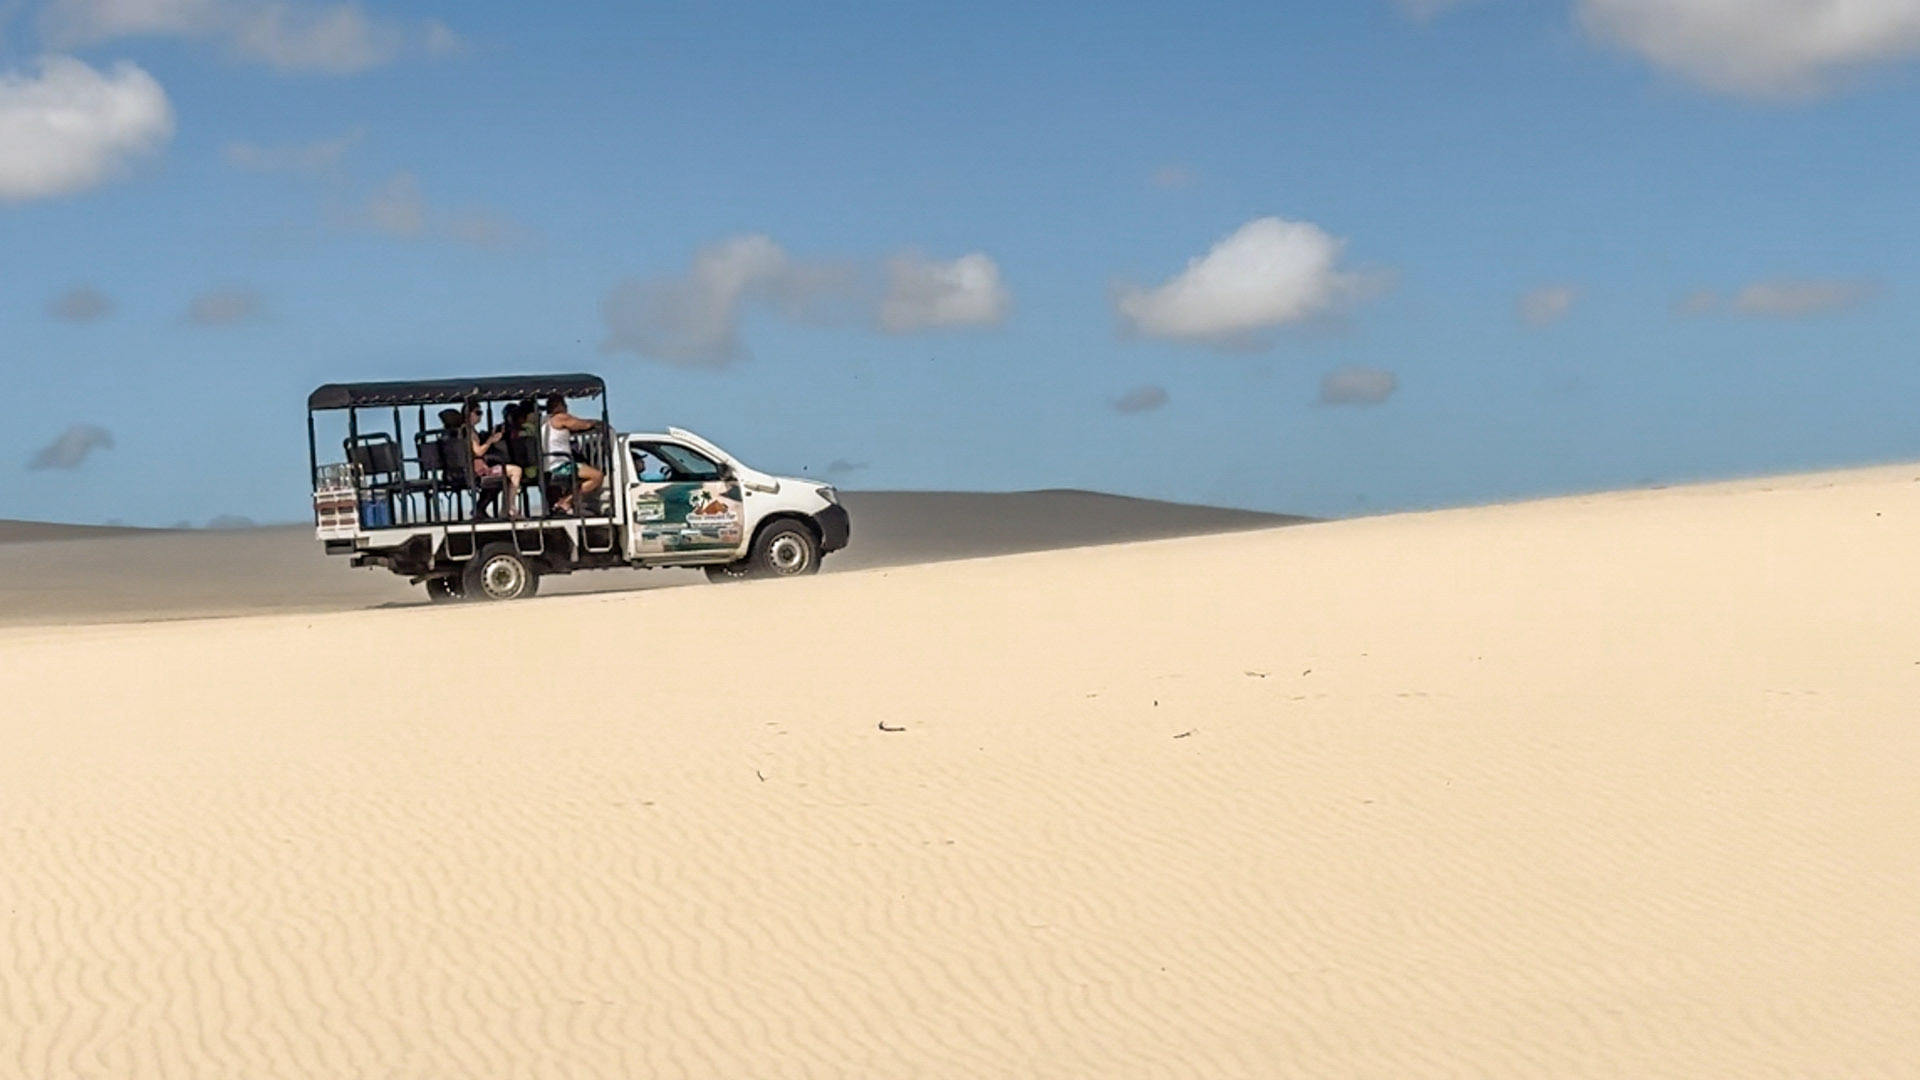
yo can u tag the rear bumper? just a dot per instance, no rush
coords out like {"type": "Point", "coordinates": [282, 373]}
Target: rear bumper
{"type": "Point", "coordinates": [835, 527]}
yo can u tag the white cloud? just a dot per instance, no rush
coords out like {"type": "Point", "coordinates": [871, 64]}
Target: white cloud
{"type": "Point", "coordinates": [1174, 176]}
{"type": "Point", "coordinates": [1141, 399]}
{"type": "Point", "coordinates": [926, 294]}
{"type": "Point", "coordinates": [1780, 298]}
{"type": "Point", "coordinates": [72, 447]}
{"type": "Point", "coordinates": [1268, 274]}
{"type": "Point", "coordinates": [1698, 302]}
{"type": "Point", "coordinates": [72, 127]}
{"type": "Point", "coordinates": [318, 156]}
{"type": "Point", "coordinates": [292, 35]}
{"type": "Point", "coordinates": [338, 39]}
{"type": "Point", "coordinates": [693, 320]}
{"type": "Point", "coordinates": [80, 304]}
{"type": "Point", "coordinates": [398, 207]}
{"type": "Point", "coordinates": [440, 39]}
{"type": "Point", "coordinates": [1357, 386]}
{"type": "Point", "coordinates": [1764, 48]}
{"type": "Point", "coordinates": [223, 308]}
{"type": "Point", "coordinates": [1423, 10]}
{"type": "Point", "coordinates": [1547, 304]}
{"type": "Point", "coordinates": [1797, 299]}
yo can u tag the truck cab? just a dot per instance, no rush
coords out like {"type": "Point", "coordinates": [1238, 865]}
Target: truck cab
{"type": "Point", "coordinates": [487, 525]}
{"type": "Point", "coordinates": [688, 502]}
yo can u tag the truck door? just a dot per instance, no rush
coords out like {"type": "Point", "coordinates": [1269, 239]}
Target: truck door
{"type": "Point", "coordinates": [682, 506]}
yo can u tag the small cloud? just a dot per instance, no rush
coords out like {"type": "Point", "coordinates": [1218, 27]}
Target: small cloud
{"type": "Point", "coordinates": [1698, 302]}
{"type": "Point", "coordinates": [1797, 299]}
{"type": "Point", "coordinates": [223, 308]}
{"type": "Point", "coordinates": [439, 39]}
{"type": "Point", "coordinates": [1547, 305]}
{"type": "Point", "coordinates": [71, 447]}
{"type": "Point", "coordinates": [482, 228]}
{"type": "Point", "coordinates": [1780, 298]}
{"type": "Point", "coordinates": [70, 127]}
{"type": "Point", "coordinates": [926, 294]}
{"type": "Point", "coordinates": [693, 321]}
{"type": "Point", "coordinates": [1170, 177]}
{"type": "Point", "coordinates": [81, 304]}
{"type": "Point", "coordinates": [1357, 386]}
{"type": "Point", "coordinates": [1268, 274]}
{"type": "Point", "coordinates": [1423, 10]}
{"type": "Point", "coordinates": [843, 467]}
{"type": "Point", "coordinates": [399, 208]}
{"type": "Point", "coordinates": [313, 157]}
{"type": "Point", "coordinates": [290, 35]}
{"type": "Point", "coordinates": [1141, 399]}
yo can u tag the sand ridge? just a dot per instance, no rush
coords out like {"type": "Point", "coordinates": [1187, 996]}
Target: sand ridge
{"type": "Point", "coordinates": [1606, 786]}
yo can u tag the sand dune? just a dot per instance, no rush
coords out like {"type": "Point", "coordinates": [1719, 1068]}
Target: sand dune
{"type": "Point", "coordinates": [142, 575]}
{"type": "Point", "coordinates": [1617, 786]}
{"type": "Point", "coordinates": [20, 532]}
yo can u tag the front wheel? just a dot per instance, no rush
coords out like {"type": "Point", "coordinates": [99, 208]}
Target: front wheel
{"type": "Point", "coordinates": [722, 573]}
{"type": "Point", "coordinates": [500, 573]}
{"type": "Point", "coordinates": [785, 549]}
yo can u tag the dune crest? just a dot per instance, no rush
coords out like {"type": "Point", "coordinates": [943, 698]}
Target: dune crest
{"type": "Point", "coordinates": [1604, 786]}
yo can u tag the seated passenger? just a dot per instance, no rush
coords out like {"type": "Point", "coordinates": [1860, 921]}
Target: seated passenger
{"type": "Point", "coordinates": [520, 439]}
{"type": "Point", "coordinates": [575, 477]}
{"type": "Point", "coordinates": [489, 463]}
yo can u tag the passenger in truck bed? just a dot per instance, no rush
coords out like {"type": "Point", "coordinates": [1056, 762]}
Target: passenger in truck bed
{"type": "Point", "coordinates": [489, 461]}
{"type": "Point", "coordinates": [560, 463]}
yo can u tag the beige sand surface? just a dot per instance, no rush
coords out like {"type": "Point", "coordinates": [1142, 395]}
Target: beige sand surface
{"type": "Point", "coordinates": [1615, 786]}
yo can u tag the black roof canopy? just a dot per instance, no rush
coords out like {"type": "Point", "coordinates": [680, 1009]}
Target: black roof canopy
{"type": "Point", "coordinates": [448, 391]}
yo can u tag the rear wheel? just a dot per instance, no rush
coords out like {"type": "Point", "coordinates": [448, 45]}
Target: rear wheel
{"type": "Point", "coordinates": [785, 549]}
{"type": "Point", "coordinates": [444, 590]}
{"type": "Point", "coordinates": [500, 573]}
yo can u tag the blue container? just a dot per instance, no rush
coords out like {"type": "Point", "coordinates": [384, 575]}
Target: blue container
{"type": "Point", "coordinates": [375, 514]}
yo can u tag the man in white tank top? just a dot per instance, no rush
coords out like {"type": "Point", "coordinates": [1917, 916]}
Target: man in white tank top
{"type": "Point", "coordinates": [579, 479]}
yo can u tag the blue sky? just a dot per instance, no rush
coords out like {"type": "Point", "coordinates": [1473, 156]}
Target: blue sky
{"type": "Point", "coordinates": [1339, 258]}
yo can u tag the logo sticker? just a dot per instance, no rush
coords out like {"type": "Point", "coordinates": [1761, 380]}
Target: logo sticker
{"type": "Point", "coordinates": [709, 509]}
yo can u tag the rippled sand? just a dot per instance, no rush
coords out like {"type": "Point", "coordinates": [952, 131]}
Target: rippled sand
{"type": "Point", "coordinates": [1613, 786]}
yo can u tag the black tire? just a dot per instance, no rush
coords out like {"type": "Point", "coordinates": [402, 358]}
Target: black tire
{"type": "Point", "coordinates": [785, 549]}
{"type": "Point", "coordinates": [499, 572]}
{"type": "Point", "coordinates": [446, 590]}
{"type": "Point", "coordinates": [725, 572]}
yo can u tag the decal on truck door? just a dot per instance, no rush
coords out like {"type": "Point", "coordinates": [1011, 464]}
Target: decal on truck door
{"type": "Point", "coordinates": [687, 517]}
{"type": "Point", "coordinates": [648, 506]}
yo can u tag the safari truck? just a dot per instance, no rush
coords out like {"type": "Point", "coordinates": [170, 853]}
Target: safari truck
{"type": "Point", "coordinates": [408, 494]}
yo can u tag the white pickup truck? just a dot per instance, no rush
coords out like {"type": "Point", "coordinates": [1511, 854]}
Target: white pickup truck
{"type": "Point", "coordinates": [670, 498]}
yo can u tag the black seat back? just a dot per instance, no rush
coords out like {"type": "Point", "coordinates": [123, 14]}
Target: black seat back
{"type": "Point", "coordinates": [456, 460]}
{"type": "Point", "coordinates": [429, 449]}
{"type": "Point", "coordinates": [377, 456]}
{"type": "Point", "coordinates": [524, 450]}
